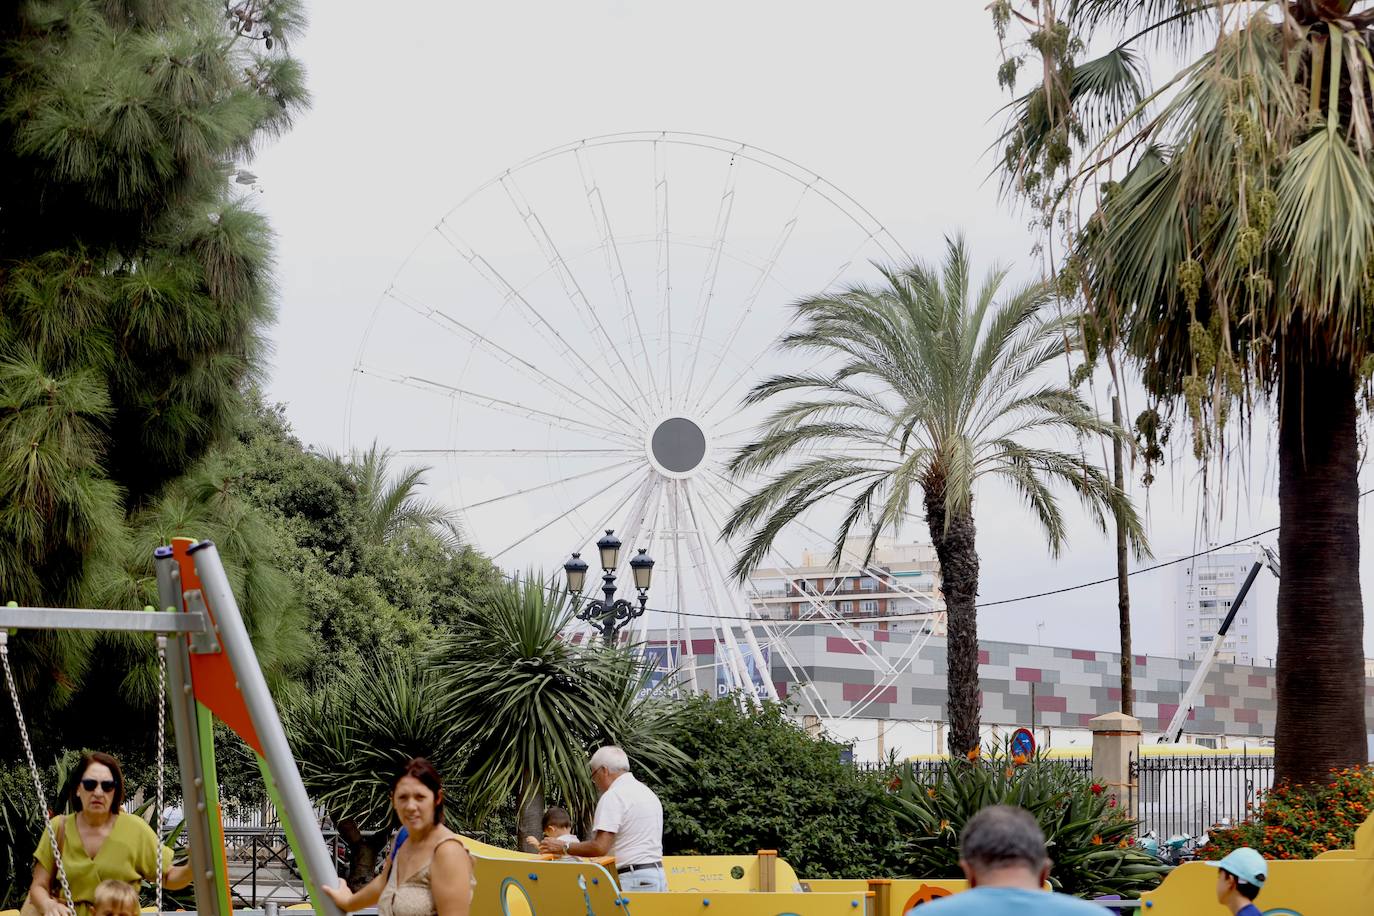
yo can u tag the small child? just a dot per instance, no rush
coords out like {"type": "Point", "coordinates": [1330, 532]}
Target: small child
{"type": "Point", "coordinates": [557, 829]}
{"type": "Point", "coordinates": [115, 898]}
{"type": "Point", "coordinates": [1239, 878]}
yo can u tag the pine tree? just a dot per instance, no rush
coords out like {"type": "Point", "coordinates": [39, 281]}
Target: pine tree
{"type": "Point", "coordinates": [134, 284]}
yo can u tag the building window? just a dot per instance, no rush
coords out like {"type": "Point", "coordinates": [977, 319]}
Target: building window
{"type": "Point", "coordinates": [846, 607]}
{"type": "Point", "coordinates": [869, 605]}
{"type": "Point", "coordinates": [868, 584]}
{"type": "Point", "coordinates": [1191, 624]}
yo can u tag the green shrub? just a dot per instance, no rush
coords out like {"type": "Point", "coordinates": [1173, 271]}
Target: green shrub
{"type": "Point", "coordinates": [1300, 822]}
{"type": "Point", "coordinates": [756, 780]}
{"type": "Point", "coordinates": [1090, 840]}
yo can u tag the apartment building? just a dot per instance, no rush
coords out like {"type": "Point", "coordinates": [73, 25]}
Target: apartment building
{"type": "Point", "coordinates": [1202, 592]}
{"type": "Point", "coordinates": [901, 579]}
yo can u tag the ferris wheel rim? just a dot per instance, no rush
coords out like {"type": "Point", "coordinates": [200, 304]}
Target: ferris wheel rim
{"type": "Point", "coordinates": [869, 227]}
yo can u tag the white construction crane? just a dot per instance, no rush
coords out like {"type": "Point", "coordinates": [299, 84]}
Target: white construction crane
{"type": "Point", "coordinates": [1174, 732]}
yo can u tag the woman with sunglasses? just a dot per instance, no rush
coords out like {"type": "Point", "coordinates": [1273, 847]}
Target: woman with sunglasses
{"type": "Point", "coordinates": [97, 843]}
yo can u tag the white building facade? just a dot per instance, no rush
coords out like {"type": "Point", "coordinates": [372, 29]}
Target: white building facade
{"type": "Point", "coordinates": [1204, 588]}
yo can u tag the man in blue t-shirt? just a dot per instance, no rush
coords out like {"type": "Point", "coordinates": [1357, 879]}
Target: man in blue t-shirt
{"type": "Point", "coordinates": [1002, 853]}
{"type": "Point", "coordinates": [1239, 878]}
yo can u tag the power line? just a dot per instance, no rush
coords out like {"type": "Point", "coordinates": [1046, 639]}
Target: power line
{"type": "Point", "coordinates": [891, 618]}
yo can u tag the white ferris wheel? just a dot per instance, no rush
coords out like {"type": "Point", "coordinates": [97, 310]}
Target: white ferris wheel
{"type": "Point", "coordinates": [572, 342]}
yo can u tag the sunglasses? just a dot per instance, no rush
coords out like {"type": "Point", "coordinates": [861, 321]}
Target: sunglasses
{"type": "Point", "coordinates": [106, 785]}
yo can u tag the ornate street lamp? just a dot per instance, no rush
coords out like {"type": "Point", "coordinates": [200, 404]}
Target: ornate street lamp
{"type": "Point", "coordinates": [608, 615]}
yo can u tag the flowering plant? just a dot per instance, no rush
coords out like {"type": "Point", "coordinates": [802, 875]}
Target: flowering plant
{"type": "Point", "coordinates": [1301, 821]}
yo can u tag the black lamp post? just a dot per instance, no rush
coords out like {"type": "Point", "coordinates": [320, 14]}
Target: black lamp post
{"type": "Point", "coordinates": [609, 616]}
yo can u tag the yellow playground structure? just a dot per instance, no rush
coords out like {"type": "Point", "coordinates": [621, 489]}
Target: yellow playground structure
{"type": "Point", "coordinates": [211, 672]}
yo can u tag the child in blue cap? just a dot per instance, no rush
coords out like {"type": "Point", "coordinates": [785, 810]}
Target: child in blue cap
{"type": "Point", "coordinates": [1239, 878]}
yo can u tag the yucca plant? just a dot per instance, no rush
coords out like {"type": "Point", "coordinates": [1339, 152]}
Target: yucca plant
{"type": "Point", "coordinates": [1227, 219]}
{"type": "Point", "coordinates": [530, 704]}
{"type": "Point", "coordinates": [351, 737]}
{"type": "Point", "coordinates": [1089, 838]}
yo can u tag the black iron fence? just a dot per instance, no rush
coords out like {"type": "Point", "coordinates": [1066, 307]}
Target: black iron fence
{"type": "Point", "coordinates": [1188, 794]}
{"type": "Point", "coordinates": [920, 768]}
{"type": "Point", "coordinates": [262, 868]}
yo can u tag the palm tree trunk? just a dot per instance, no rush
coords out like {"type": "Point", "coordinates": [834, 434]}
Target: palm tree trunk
{"type": "Point", "coordinates": [1321, 719]}
{"type": "Point", "coordinates": [1123, 588]}
{"type": "Point", "coordinates": [530, 819]}
{"type": "Point", "coordinates": [954, 538]}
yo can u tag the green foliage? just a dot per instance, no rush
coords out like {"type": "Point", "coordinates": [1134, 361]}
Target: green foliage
{"type": "Point", "coordinates": [351, 736]}
{"type": "Point", "coordinates": [756, 780]}
{"type": "Point", "coordinates": [134, 290]}
{"type": "Point", "coordinates": [532, 704]}
{"type": "Point", "coordinates": [939, 374]}
{"type": "Point", "coordinates": [1302, 821]}
{"type": "Point", "coordinates": [1089, 839]}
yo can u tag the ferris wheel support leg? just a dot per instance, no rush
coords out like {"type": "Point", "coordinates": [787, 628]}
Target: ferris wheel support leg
{"type": "Point", "coordinates": [276, 751]}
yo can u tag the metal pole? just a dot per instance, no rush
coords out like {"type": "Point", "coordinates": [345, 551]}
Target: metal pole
{"type": "Point", "coordinates": [195, 805]}
{"type": "Point", "coordinates": [608, 607]}
{"type": "Point", "coordinates": [275, 748]}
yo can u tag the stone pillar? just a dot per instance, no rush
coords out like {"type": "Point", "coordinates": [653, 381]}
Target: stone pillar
{"type": "Point", "coordinates": [812, 725]}
{"type": "Point", "coordinates": [1116, 739]}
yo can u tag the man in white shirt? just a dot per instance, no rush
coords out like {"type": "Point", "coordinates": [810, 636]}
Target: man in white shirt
{"type": "Point", "coordinates": [628, 824]}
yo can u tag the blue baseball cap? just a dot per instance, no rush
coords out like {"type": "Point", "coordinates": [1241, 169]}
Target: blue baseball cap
{"type": "Point", "coordinates": [1246, 864]}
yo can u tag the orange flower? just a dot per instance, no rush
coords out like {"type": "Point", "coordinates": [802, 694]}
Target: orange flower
{"type": "Point", "coordinates": [1020, 760]}
{"type": "Point", "coordinates": [1097, 840]}
{"type": "Point", "coordinates": [930, 792]}
{"type": "Point", "coordinates": [944, 825]}
{"type": "Point", "coordinates": [1010, 773]}
{"type": "Point", "coordinates": [974, 753]}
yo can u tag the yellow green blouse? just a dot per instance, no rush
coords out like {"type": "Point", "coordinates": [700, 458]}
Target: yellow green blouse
{"type": "Point", "coordinates": [128, 854]}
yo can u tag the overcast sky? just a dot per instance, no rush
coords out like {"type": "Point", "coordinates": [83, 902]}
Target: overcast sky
{"type": "Point", "coordinates": [893, 102]}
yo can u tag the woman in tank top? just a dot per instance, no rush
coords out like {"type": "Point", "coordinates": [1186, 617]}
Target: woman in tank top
{"type": "Point", "coordinates": [429, 873]}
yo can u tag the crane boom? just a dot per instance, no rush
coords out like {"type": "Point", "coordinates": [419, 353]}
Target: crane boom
{"type": "Point", "coordinates": [1189, 699]}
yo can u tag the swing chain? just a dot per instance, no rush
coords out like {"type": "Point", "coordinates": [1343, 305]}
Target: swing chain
{"type": "Point", "coordinates": [33, 767]}
{"type": "Point", "coordinates": [161, 753]}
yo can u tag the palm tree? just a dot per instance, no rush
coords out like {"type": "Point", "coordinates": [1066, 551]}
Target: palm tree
{"type": "Point", "coordinates": [1231, 259]}
{"type": "Point", "coordinates": [352, 736]}
{"type": "Point", "coordinates": [932, 391]}
{"type": "Point", "coordinates": [531, 704]}
{"type": "Point", "coordinates": [391, 507]}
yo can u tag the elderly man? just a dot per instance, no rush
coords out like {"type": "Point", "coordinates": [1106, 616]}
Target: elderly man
{"type": "Point", "coordinates": [628, 824]}
{"type": "Point", "coordinates": [1002, 853]}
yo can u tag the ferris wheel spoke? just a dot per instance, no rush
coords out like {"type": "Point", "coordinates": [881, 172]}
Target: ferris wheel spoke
{"type": "Point", "coordinates": [846, 630]}
{"type": "Point", "coordinates": [724, 209]}
{"type": "Point", "coordinates": [615, 266]}
{"type": "Point", "coordinates": [683, 626]}
{"type": "Point", "coordinates": [501, 405]}
{"type": "Point", "coordinates": [747, 627]}
{"type": "Point", "coordinates": [812, 695]}
{"type": "Point", "coordinates": [853, 560]}
{"type": "Point", "coordinates": [566, 394]}
{"type": "Point", "coordinates": [518, 452]}
{"type": "Point", "coordinates": [748, 365]}
{"type": "Point", "coordinates": [541, 325]}
{"type": "Point", "coordinates": [733, 660]}
{"type": "Point", "coordinates": [765, 272]}
{"type": "Point", "coordinates": [545, 486]}
{"type": "Point", "coordinates": [663, 263]}
{"type": "Point", "coordinates": [571, 288]}
{"type": "Point", "coordinates": [562, 515]}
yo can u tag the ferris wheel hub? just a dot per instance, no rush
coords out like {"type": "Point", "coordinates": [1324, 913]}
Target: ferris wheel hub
{"type": "Point", "coordinates": [676, 446]}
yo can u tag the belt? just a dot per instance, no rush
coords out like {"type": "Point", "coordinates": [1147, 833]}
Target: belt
{"type": "Point", "coordinates": [642, 865]}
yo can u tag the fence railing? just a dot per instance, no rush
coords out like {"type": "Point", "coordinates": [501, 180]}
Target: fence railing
{"type": "Point", "coordinates": [262, 868]}
{"type": "Point", "coordinates": [1191, 793]}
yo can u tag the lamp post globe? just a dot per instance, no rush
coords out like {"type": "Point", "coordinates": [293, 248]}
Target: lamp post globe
{"type": "Point", "coordinates": [576, 571]}
{"type": "Point", "coordinates": [642, 565]}
{"type": "Point", "coordinates": [609, 548]}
